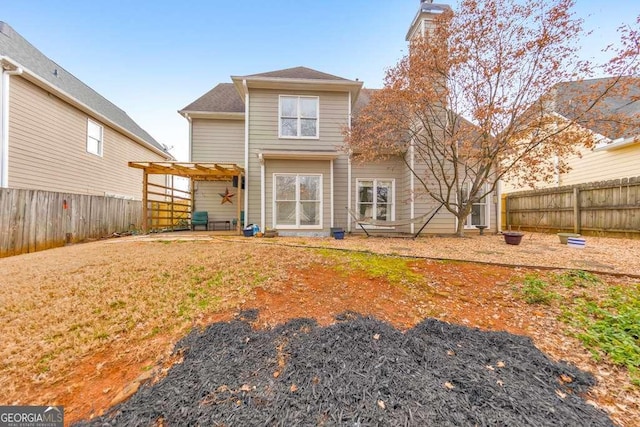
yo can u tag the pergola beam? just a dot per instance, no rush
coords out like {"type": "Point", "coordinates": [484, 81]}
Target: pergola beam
{"type": "Point", "coordinates": [193, 171]}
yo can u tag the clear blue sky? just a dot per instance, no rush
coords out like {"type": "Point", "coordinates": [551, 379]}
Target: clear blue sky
{"type": "Point", "coordinates": [151, 58]}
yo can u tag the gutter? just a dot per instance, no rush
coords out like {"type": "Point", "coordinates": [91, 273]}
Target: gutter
{"type": "Point", "coordinates": [12, 70]}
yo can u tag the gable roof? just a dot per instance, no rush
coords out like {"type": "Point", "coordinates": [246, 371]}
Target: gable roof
{"type": "Point", "coordinates": [223, 98]}
{"type": "Point", "coordinates": [615, 116]}
{"type": "Point", "coordinates": [298, 73]}
{"type": "Point", "coordinates": [226, 100]}
{"type": "Point", "coordinates": [19, 51]}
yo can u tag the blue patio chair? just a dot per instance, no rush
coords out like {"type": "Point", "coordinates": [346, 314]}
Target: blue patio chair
{"type": "Point", "coordinates": [200, 218]}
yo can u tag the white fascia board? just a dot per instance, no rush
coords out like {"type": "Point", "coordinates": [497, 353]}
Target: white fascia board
{"type": "Point", "coordinates": [618, 143]}
{"type": "Point", "coordinates": [350, 86]}
{"type": "Point", "coordinates": [42, 83]}
{"type": "Point", "coordinates": [211, 115]}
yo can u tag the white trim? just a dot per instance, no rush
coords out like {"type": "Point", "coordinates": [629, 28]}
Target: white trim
{"type": "Point", "coordinates": [211, 115]}
{"type": "Point", "coordinates": [487, 214]}
{"type": "Point", "coordinates": [297, 226]}
{"type": "Point", "coordinates": [349, 169]}
{"type": "Point", "coordinates": [412, 185]}
{"type": "Point", "coordinates": [245, 193]}
{"type": "Point", "coordinates": [100, 141]}
{"type": "Point", "coordinates": [298, 155]}
{"type": "Point", "coordinates": [617, 143]}
{"type": "Point", "coordinates": [299, 118]}
{"type": "Point", "coordinates": [331, 208]}
{"type": "Point", "coordinates": [263, 196]}
{"type": "Point", "coordinates": [499, 206]}
{"type": "Point", "coordinates": [375, 198]}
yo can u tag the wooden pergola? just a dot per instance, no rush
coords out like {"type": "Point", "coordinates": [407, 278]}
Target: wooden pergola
{"type": "Point", "coordinates": [169, 199]}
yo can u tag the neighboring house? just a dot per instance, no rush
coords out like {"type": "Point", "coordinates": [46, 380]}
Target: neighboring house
{"type": "Point", "coordinates": [58, 134]}
{"type": "Point", "coordinates": [285, 128]}
{"type": "Point", "coordinates": [614, 121]}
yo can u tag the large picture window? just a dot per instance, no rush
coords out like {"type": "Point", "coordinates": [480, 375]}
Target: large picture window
{"type": "Point", "coordinates": [297, 201]}
{"type": "Point", "coordinates": [94, 138]}
{"type": "Point", "coordinates": [298, 116]}
{"type": "Point", "coordinates": [375, 199]}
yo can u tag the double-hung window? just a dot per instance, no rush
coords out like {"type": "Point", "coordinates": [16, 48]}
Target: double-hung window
{"type": "Point", "coordinates": [297, 201]}
{"type": "Point", "coordinates": [298, 116]}
{"type": "Point", "coordinates": [94, 137]}
{"type": "Point", "coordinates": [375, 199]}
{"type": "Point", "coordinates": [479, 212]}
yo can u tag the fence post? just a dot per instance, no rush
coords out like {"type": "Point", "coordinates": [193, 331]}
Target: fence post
{"type": "Point", "coordinates": [507, 201]}
{"type": "Point", "coordinates": [576, 210]}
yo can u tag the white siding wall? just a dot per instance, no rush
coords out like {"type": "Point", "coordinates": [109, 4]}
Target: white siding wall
{"type": "Point", "coordinates": [47, 148]}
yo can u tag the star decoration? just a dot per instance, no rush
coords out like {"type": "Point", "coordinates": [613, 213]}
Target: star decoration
{"type": "Point", "coordinates": [226, 197]}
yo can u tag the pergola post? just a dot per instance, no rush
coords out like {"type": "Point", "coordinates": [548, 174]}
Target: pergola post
{"type": "Point", "coordinates": [240, 203]}
{"type": "Point", "coordinates": [145, 201]}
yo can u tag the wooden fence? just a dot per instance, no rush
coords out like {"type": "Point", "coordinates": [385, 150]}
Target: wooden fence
{"type": "Point", "coordinates": [599, 208]}
{"type": "Point", "coordinates": [33, 220]}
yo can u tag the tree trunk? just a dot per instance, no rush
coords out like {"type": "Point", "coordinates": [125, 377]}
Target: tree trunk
{"type": "Point", "coordinates": [460, 227]}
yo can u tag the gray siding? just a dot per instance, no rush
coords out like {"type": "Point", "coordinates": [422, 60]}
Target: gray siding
{"type": "Point", "coordinates": [47, 148]}
{"type": "Point", "coordinates": [220, 141]}
{"type": "Point", "coordinates": [263, 134]}
{"type": "Point", "coordinates": [207, 198]}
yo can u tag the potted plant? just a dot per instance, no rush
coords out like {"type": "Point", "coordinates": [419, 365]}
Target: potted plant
{"type": "Point", "coordinates": [565, 236]}
{"type": "Point", "coordinates": [512, 237]}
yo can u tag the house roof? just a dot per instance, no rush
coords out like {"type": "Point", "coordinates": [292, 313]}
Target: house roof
{"type": "Point", "coordinates": [223, 98]}
{"type": "Point", "coordinates": [615, 116]}
{"type": "Point", "coordinates": [297, 73]}
{"type": "Point", "coordinates": [18, 50]}
{"type": "Point", "coordinates": [226, 99]}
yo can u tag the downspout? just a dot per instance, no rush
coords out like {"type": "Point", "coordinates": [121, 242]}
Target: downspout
{"type": "Point", "coordinates": [412, 184]}
{"type": "Point", "coordinates": [332, 212]}
{"type": "Point", "coordinates": [263, 200]}
{"type": "Point", "coordinates": [190, 152]}
{"type": "Point", "coordinates": [4, 122]}
{"type": "Point", "coordinates": [246, 152]}
{"type": "Point", "coordinates": [499, 207]}
{"type": "Point", "coordinates": [347, 216]}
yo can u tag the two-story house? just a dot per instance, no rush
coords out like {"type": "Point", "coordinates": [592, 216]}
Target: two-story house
{"type": "Point", "coordinates": [286, 129]}
{"type": "Point", "coordinates": [57, 134]}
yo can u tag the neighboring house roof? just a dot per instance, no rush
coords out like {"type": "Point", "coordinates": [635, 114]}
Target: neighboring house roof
{"type": "Point", "coordinates": [615, 116]}
{"type": "Point", "coordinates": [18, 50]}
{"type": "Point", "coordinates": [225, 99]}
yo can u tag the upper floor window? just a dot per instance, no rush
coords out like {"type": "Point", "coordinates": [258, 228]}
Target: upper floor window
{"type": "Point", "coordinates": [94, 137]}
{"type": "Point", "coordinates": [298, 116]}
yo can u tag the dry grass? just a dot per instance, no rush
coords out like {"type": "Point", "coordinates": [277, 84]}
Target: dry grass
{"type": "Point", "coordinates": [60, 305]}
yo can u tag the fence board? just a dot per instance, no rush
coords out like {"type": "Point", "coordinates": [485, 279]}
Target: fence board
{"type": "Point", "coordinates": [609, 207]}
{"type": "Point", "coordinates": [33, 220]}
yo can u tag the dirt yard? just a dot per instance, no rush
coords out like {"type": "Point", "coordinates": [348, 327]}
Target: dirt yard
{"type": "Point", "coordinates": [84, 325]}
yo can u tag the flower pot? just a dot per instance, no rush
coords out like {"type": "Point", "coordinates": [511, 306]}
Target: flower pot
{"type": "Point", "coordinates": [338, 235]}
{"type": "Point", "coordinates": [334, 229]}
{"type": "Point", "coordinates": [271, 233]}
{"type": "Point", "coordinates": [565, 236]}
{"type": "Point", "coordinates": [512, 237]}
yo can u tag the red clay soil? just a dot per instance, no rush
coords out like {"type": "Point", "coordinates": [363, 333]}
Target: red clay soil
{"type": "Point", "coordinates": [469, 294]}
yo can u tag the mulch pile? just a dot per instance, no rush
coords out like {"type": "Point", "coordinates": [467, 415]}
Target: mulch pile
{"type": "Point", "coordinates": [359, 372]}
